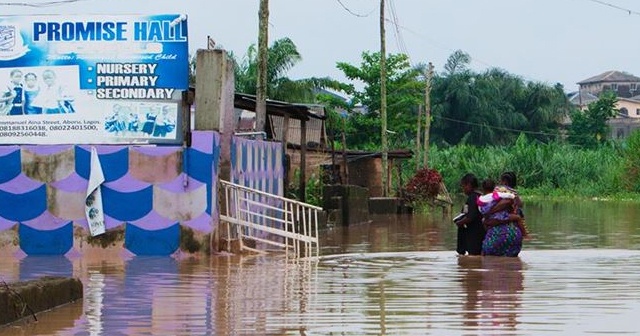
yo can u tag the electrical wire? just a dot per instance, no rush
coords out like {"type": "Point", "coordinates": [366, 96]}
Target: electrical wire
{"type": "Point", "coordinates": [629, 11]}
{"type": "Point", "coordinates": [41, 4]}
{"type": "Point", "coordinates": [493, 127]}
{"type": "Point", "coordinates": [402, 46]}
{"type": "Point", "coordinates": [354, 13]}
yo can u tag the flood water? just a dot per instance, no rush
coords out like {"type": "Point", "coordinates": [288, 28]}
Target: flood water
{"type": "Point", "coordinates": [399, 275]}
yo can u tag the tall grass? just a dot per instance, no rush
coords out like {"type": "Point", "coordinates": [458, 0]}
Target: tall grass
{"type": "Point", "coordinates": [542, 169]}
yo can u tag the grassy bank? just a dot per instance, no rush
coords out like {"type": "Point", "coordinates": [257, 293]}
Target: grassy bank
{"type": "Point", "coordinates": [544, 170]}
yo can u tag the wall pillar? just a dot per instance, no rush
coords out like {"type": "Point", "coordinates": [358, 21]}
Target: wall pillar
{"type": "Point", "coordinates": [215, 94]}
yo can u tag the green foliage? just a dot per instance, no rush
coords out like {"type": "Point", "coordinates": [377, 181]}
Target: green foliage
{"type": "Point", "coordinates": [631, 162]}
{"type": "Point", "coordinates": [313, 188]}
{"type": "Point", "coordinates": [493, 108]}
{"type": "Point", "coordinates": [457, 62]}
{"type": "Point", "coordinates": [405, 91]}
{"type": "Point", "coordinates": [282, 56]}
{"type": "Point", "coordinates": [540, 168]}
{"type": "Point", "coordinates": [589, 128]}
{"type": "Point", "coordinates": [489, 108]}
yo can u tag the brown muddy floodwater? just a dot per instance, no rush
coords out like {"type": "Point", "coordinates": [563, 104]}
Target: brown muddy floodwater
{"type": "Point", "coordinates": [578, 274]}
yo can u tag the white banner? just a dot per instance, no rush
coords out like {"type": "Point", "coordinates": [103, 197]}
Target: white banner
{"type": "Point", "coordinates": [93, 202]}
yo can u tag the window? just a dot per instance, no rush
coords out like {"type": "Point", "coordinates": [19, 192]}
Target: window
{"type": "Point", "coordinates": [633, 86]}
{"type": "Point", "coordinates": [638, 111]}
{"type": "Point", "coordinates": [624, 111]}
{"type": "Point", "coordinates": [614, 87]}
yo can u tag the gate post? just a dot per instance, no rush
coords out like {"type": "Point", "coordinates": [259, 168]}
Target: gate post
{"type": "Point", "coordinates": [214, 98]}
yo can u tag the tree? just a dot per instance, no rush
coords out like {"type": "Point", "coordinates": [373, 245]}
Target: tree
{"type": "Point", "coordinates": [282, 56]}
{"type": "Point", "coordinates": [457, 63]}
{"type": "Point", "coordinates": [405, 92]}
{"type": "Point", "coordinates": [589, 128]}
{"type": "Point", "coordinates": [493, 107]}
{"type": "Point", "coordinates": [192, 70]}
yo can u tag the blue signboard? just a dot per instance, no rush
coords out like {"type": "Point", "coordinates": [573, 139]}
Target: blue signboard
{"type": "Point", "coordinates": [92, 79]}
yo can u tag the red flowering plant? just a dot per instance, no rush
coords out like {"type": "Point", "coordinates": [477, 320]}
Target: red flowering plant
{"type": "Point", "coordinates": [424, 186]}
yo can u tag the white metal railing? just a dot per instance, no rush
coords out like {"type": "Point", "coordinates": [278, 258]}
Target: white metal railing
{"type": "Point", "coordinates": [269, 220]}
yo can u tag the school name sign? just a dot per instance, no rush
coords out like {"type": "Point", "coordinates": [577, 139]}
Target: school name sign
{"type": "Point", "coordinates": [92, 79]}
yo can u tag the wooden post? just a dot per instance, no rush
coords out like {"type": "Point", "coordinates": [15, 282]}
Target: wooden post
{"type": "Point", "coordinates": [303, 160]}
{"type": "Point", "coordinates": [333, 156]}
{"type": "Point", "coordinates": [383, 103]}
{"type": "Point", "coordinates": [263, 50]}
{"type": "Point", "coordinates": [427, 113]}
{"type": "Point", "coordinates": [285, 141]}
{"type": "Point", "coordinates": [418, 143]}
{"type": "Point", "coordinates": [345, 162]}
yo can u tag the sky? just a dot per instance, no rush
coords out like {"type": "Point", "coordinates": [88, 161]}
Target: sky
{"type": "Point", "coordinates": [549, 41]}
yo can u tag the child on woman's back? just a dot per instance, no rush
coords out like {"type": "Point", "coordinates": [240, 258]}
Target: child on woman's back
{"type": "Point", "coordinates": [492, 194]}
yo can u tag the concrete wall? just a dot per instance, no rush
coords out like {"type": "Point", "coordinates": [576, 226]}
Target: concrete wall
{"type": "Point", "coordinates": [150, 191]}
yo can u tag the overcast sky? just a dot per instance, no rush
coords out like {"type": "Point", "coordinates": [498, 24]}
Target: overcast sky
{"type": "Point", "coordinates": [552, 41]}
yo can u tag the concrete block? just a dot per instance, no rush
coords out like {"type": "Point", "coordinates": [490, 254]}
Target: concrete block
{"type": "Point", "coordinates": [22, 299]}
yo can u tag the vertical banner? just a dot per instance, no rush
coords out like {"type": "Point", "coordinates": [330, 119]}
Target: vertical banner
{"type": "Point", "coordinates": [93, 202]}
{"type": "Point", "coordinates": [92, 79]}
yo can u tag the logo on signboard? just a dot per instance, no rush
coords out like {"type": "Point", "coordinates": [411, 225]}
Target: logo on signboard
{"type": "Point", "coordinates": [11, 43]}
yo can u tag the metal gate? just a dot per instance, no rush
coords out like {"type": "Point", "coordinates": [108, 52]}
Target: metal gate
{"type": "Point", "coordinates": [263, 222]}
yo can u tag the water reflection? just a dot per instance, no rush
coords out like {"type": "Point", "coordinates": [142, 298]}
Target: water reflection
{"type": "Point", "coordinates": [493, 287]}
{"type": "Point", "coordinates": [34, 267]}
{"type": "Point", "coordinates": [396, 276]}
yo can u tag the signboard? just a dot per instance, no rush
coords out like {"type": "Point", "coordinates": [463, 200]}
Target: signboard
{"type": "Point", "coordinates": [92, 79]}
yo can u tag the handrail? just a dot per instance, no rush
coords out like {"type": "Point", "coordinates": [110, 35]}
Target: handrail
{"type": "Point", "coordinates": [260, 192]}
{"type": "Point", "coordinates": [269, 219]}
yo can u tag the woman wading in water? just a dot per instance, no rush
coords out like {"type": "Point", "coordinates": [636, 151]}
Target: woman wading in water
{"type": "Point", "coordinates": [504, 237]}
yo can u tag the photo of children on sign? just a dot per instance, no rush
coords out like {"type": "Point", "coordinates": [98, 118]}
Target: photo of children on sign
{"type": "Point", "coordinates": [93, 79]}
{"type": "Point", "coordinates": [39, 90]}
{"type": "Point", "coordinates": [148, 120]}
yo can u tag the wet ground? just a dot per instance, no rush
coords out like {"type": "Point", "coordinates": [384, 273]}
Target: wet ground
{"type": "Point", "coordinates": [578, 274]}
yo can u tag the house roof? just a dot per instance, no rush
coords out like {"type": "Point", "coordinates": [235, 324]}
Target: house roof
{"type": "Point", "coordinates": [278, 108]}
{"type": "Point", "coordinates": [612, 76]}
{"type": "Point", "coordinates": [582, 98]}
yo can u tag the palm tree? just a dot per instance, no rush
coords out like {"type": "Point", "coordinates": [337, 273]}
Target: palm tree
{"type": "Point", "coordinates": [282, 56]}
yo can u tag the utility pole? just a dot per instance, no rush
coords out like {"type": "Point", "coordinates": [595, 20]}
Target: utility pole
{"type": "Point", "coordinates": [383, 104]}
{"type": "Point", "coordinates": [263, 49]}
{"type": "Point", "coordinates": [427, 112]}
{"type": "Point", "coordinates": [418, 143]}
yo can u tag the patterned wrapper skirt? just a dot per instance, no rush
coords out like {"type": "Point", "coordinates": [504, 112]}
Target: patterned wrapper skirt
{"type": "Point", "coordinates": [502, 240]}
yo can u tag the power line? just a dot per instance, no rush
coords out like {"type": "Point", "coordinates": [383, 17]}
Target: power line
{"type": "Point", "coordinates": [354, 13]}
{"type": "Point", "coordinates": [438, 45]}
{"type": "Point", "coordinates": [40, 4]}
{"type": "Point", "coordinates": [494, 127]}
{"type": "Point", "coordinates": [399, 39]}
{"type": "Point", "coordinates": [629, 11]}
